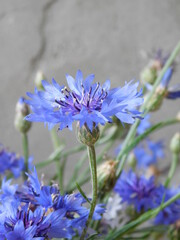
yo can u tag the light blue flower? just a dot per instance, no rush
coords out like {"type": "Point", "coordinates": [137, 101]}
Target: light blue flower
{"type": "Point", "coordinates": [86, 102]}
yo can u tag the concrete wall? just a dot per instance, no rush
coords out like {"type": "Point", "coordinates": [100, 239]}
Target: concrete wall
{"type": "Point", "coordinates": [105, 37]}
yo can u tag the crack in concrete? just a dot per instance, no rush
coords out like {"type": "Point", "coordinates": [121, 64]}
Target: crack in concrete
{"type": "Point", "coordinates": [41, 29]}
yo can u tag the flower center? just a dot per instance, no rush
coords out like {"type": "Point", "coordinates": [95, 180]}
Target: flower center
{"type": "Point", "coordinates": [91, 100]}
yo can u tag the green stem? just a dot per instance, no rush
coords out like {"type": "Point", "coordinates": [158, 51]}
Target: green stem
{"type": "Point", "coordinates": [61, 175]}
{"type": "Point", "coordinates": [55, 140]}
{"type": "Point", "coordinates": [26, 153]}
{"type": "Point", "coordinates": [144, 109]}
{"type": "Point", "coordinates": [84, 178]}
{"type": "Point", "coordinates": [56, 144]}
{"type": "Point", "coordinates": [93, 169]}
{"type": "Point", "coordinates": [143, 218]}
{"type": "Point", "coordinates": [172, 169]}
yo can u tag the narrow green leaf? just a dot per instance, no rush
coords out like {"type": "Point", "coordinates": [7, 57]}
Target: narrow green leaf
{"type": "Point", "coordinates": [82, 193]}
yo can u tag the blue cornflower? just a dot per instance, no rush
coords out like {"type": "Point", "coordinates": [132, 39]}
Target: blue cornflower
{"type": "Point", "coordinates": [50, 199]}
{"type": "Point", "coordinates": [170, 214]}
{"type": "Point", "coordinates": [9, 161]}
{"type": "Point", "coordinates": [20, 222]}
{"type": "Point", "coordinates": [85, 101]}
{"type": "Point", "coordinates": [136, 191]}
{"type": "Point", "coordinates": [148, 152]}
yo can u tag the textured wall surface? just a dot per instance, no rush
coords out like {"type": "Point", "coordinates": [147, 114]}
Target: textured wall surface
{"type": "Point", "coordinates": [105, 37]}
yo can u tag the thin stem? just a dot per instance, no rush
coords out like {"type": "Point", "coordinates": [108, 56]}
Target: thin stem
{"type": "Point", "coordinates": [84, 178]}
{"type": "Point", "coordinates": [61, 175]}
{"type": "Point", "coordinates": [55, 140]}
{"type": "Point", "coordinates": [93, 169]}
{"type": "Point", "coordinates": [172, 169]}
{"type": "Point", "coordinates": [56, 144]}
{"type": "Point", "coordinates": [26, 153]}
{"type": "Point", "coordinates": [144, 109]}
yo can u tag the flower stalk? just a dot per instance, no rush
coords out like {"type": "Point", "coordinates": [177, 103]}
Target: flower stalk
{"type": "Point", "coordinates": [93, 169]}
{"type": "Point", "coordinates": [59, 166]}
{"type": "Point", "coordinates": [26, 153]}
{"type": "Point", "coordinates": [172, 169]}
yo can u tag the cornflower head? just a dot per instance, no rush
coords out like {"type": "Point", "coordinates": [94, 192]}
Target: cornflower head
{"type": "Point", "coordinates": [170, 214]}
{"type": "Point", "coordinates": [20, 222]}
{"type": "Point", "coordinates": [50, 199]}
{"type": "Point", "coordinates": [86, 102]}
{"type": "Point", "coordinates": [10, 162]}
{"type": "Point", "coordinates": [136, 191]}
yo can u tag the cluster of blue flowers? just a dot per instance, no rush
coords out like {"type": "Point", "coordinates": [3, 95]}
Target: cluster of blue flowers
{"type": "Point", "coordinates": [144, 194]}
{"type": "Point", "coordinates": [85, 101]}
{"type": "Point", "coordinates": [10, 162]}
{"type": "Point", "coordinates": [35, 211]}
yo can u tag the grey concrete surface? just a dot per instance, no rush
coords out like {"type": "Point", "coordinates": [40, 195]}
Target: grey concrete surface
{"type": "Point", "coordinates": [104, 37]}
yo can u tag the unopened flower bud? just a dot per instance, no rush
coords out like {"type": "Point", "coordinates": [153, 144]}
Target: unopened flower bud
{"type": "Point", "coordinates": [38, 80]}
{"type": "Point", "coordinates": [148, 75]}
{"type": "Point", "coordinates": [175, 144]}
{"type": "Point", "coordinates": [22, 110]}
{"type": "Point", "coordinates": [86, 136]}
{"type": "Point", "coordinates": [157, 98]}
{"type": "Point", "coordinates": [106, 175]}
{"type": "Point", "coordinates": [156, 64]}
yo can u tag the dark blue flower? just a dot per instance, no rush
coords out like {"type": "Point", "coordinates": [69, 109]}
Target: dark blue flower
{"type": "Point", "coordinates": [86, 102]}
{"type": "Point", "coordinates": [9, 161]}
{"type": "Point", "coordinates": [170, 214]}
{"type": "Point", "coordinates": [136, 191]}
{"type": "Point", "coordinates": [50, 199]}
{"type": "Point", "coordinates": [20, 222]}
